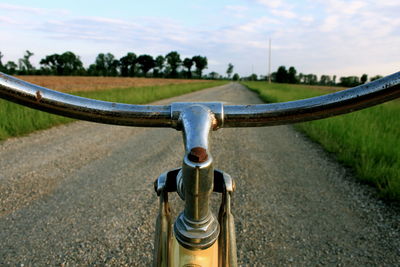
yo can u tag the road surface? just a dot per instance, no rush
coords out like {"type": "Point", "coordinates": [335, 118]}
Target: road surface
{"type": "Point", "coordinates": [82, 194]}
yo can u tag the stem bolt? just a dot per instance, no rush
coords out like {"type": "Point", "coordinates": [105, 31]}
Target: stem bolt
{"type": "Point", "coordinates": [198, 155]}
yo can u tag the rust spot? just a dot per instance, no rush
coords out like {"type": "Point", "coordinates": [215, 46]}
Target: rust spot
{"type": "Point", "coordinates": [214, 123]}
{"type": "Point", "coordinates": [38, 96]}
{"type": "Point", "coordinates": [198, 155]}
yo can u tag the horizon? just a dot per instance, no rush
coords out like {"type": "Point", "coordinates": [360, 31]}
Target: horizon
{"type": "Point", "coordinates": [343, 38]}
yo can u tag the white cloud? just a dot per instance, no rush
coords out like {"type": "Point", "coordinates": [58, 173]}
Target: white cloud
{"type": "Point", "coordinates": [307, 19]}
{"type": "Point", "coordinates": [271, 3]}
{"type": "Point", "coordinates": [8, 20]}
{"type": "Point", "coordinates": [284, 13]}
{"type": "Point", "coordinates": [236, 8]}
{"type": "Point", "coordinates": [258, 24]}
{"type": "Point", "coordinates": [215, 62]}
{"type": "Point", "coordinates": [389, 3]}
{"type": "Point", "coordinates": [341, 7]}
{"type": "Point", "coordinates": [327, 37]}
{"type": "Point", "coordinates": [330, 23]}
{"type": "Point", "coordinates": [30, 10]}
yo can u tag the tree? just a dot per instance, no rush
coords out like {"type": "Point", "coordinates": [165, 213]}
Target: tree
{"type": "Point", "coordinates": [273, 76]}
{"type": "Point", "coordinates": [282, 75]}
{"type": "Point", "coordinates": [51, 65]}
{"type": "Point", "coordinates": [72, 64]}
{"type": "Point", "coordinates": [188, 63]}
{"type": "Point", "coordinates": [174, 61]}
{"type": "Point", "coordinates": [214, 75]}
{"type": "Point", "coordinates": [300, 77]}
{"type": "Point", "coordinates": [65, 64]}
{"type": "Point", "coordinates": [146, 63]}
{"type": "Point", "coordinates": [2, 68]}
{"type": "Point", "coordinates": [201, 64]}
{"type": "Point", "coordinates": [291, 76]}
{"type": "Point", "coordinates": [25, 66]}
{"type": "Point", "coordinates": [349, 81]}
{"type": "Point", "coordinates": [310, 79]}
{"type": "Point", "coordinates": [364, 78]}
{"type": "Point", "coordinates": [253, 77]}
{"type": "Point", "coordinates": [11, 67]}
{"type": "Point", "coordinates": [376, 77]}
{"type": "Point", "coordinates": [229, 71]}
{"type": "Point", "coordinates": [128, 65]}
{"type": "Point", "coordinates": [105, 65]}
{"type": "Point", "coordinates": [160, 60]}
{"type": "Point", "coordinates": [325, 80]}
{"type": "Point", "coordinates": [235, 77]}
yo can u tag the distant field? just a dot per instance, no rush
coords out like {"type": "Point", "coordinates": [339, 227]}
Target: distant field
{"type": "Point", "coordinates": [368, 140]}
{"type": "Point", "coordinates": [83, 83]}
{"type": "Point", "coordinates": [16, 120]}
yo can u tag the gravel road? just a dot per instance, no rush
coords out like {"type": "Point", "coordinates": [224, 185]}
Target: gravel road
{"type": "Point", "coordinates": [82, 194]}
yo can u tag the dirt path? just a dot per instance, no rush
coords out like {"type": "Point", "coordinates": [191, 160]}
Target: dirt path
{"type": "Point", "coordinates": [82, 194]}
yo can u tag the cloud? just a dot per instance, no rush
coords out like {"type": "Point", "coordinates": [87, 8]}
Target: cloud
{"type": "Point", "coordinates": [237, 8]}
{"type": "Point", "coordinates": [330, 23]}
{"type": "Point", "coordinates": [322, 36]}
{"type": "Point", "coordinates": [389, 3]}
{"type": "Point", "coordinates": [288, 14]}
{"type": "Point", "coordinates": [307, 19]}
{"type": "Point", "coordinates": [270, 3]}
{"type": "Point", "coordinates": [341, 7]}
{"type": "Point", "coordinates": [31, 10]}
{"type": "Point", "coordinates": [279, 8]}
{"type": "Point", "coordinates": [257, 25]}
{"type": "Point", "coordinates": [8, 20]}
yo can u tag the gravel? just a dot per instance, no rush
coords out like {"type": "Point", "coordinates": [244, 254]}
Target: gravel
{"type": "Point", "coordinates": [82, 194]}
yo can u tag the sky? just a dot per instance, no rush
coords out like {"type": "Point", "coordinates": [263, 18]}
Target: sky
{"type": "Point", "coordinates": [330, 37]}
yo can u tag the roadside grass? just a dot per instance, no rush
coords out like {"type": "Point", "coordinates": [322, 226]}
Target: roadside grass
{"type": "Point", "coordinates": [17, 120]}
{"type": "Point", "coordinates": [368, 141]}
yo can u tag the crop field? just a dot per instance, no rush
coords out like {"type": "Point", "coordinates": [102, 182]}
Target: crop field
{"type": "Point", "coordinates": [16, 120]}
{"type": "Point", "coordinates": [368, 141]}
{"type": "Point", "coordinates": [85, 83]}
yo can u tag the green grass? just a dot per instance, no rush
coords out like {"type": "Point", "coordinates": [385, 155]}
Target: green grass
{"type": "Point", "coordinates": [367, 141]}
{"type": "Point", "coordinates": [16, 120]}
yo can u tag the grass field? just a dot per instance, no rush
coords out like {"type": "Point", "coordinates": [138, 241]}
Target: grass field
{"type": "Point", "coordinates": [368, 141]}
{"type": "Point", "coordinates": [16, 120]}
{"type": "Point", "coordinates": [83, 83]}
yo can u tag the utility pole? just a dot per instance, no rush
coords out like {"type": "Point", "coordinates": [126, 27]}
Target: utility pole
{"type": "Point", "coordinates": [269, 62]}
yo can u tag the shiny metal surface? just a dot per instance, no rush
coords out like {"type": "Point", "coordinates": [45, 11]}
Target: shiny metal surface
{"type": "Point", "coordinates": [197, 121]}
{"type": "Point", "coordinates": [76, 107]}
{"type": "Point", "coordinates": [346, 101]}
{"type": "Point", "coordinates": [163, 232]}
{"type": "Point", "coordinates": [215, 108]}
{"type": "Point", "coordinates": [356, 98]}
{"type": "Point", "coordinates": [227, 251]}
{"type": "Point", "coordinates": [196, 227]}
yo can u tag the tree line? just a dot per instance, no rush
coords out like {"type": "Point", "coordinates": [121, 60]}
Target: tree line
{"type": "Point", "coordinates": [290, 75]}
{"type": "Point", "coordinates": [106, 64]}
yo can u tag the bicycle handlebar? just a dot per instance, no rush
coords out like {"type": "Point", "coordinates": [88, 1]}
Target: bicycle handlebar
{"type": "Point", "coordinates": [41, 98]}
{"type": "Point", "coordinates": [345, 101]}
{"type": "Point", "coordinates": [319, 107]}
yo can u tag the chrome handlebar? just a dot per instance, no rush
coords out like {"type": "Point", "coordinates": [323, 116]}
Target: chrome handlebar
{"type": "Point", "coordinates": [345, 101]}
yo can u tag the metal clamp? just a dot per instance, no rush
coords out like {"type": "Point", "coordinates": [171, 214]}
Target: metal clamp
{"type": "Point", "coordinates": [172, 182]}
{"type": "Point", "coordinates": [227, 253]}
{"type": "Point", "coordinates": [215, 108]}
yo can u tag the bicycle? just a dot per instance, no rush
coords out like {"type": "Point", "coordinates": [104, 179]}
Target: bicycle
{"type": "Point", "coordinates": [198, 237]}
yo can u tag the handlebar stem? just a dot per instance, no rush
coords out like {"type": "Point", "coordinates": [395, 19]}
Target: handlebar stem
{"type": "Point", "coordinates": [196, 227]}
